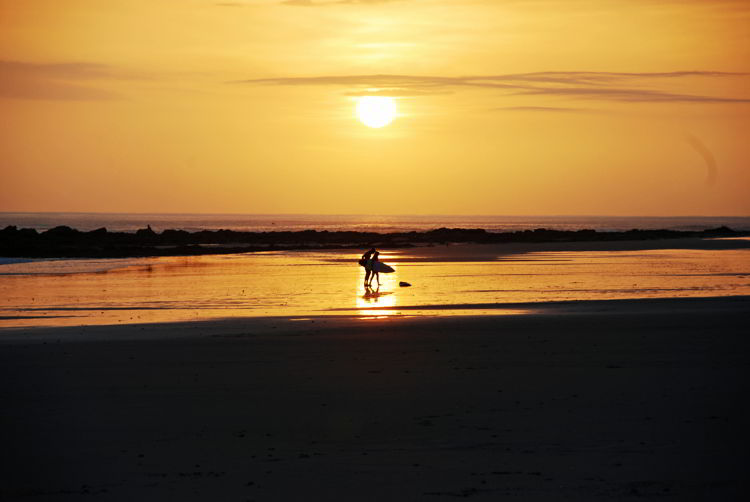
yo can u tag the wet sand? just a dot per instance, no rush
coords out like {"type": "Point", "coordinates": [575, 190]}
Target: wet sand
{"type": "Point", "coordinates": [575, 401]}
{"type": "Point", "coordinates": [171, 289]}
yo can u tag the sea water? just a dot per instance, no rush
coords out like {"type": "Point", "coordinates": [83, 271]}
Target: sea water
{"type": "Point", "coordinates": [375, 223]}
{"type": "Point", "coordinates": [445, 280]}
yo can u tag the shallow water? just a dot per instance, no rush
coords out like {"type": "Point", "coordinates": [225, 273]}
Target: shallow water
{"type": "Point", "coordinates": [84, 292]}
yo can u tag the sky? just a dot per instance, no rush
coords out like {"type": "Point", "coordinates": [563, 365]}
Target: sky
{"type": "Point", "coordinates": [504, 107]}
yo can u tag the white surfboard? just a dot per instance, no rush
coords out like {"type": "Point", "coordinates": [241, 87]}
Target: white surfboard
{"type": "Point", "coordinates": [382, 268]}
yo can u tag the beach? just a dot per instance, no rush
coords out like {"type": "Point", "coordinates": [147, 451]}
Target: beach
{"type": "Point", "coordinates": [594, 400]}
{"type": "Point", "coordinates": [545, 371]}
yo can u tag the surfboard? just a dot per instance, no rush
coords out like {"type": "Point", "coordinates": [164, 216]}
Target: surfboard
{"type": "Point", "coordinates": [382, 268]}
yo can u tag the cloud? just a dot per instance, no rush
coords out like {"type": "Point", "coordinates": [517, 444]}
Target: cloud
{"type": "Point", "coordinates": [56, 70]}
{"type": "Point", "coordinates": [327, 3]}
{"type": "Point", "coordinates": [633, 95]}
{"type": "Point", "coordinates": [35, 89]}
{"type": "Point", "coordinates": [58, 81]}
{"type": "Point", "coordinates": [603, 86]}
{"type": "Point", "coordinates": [384, 84]}
{"type": "Point", "coordinates": [245, 3]}
{"type": "Point", "coordinates": [554, 109]}
{"type": "Point", "coordinates": [583, 76]}
{"type": "Point", "coordinates": [397, 93]}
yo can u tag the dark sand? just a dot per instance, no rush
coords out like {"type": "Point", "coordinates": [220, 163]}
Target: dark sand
{"type": "Point", "coordinates": [587, 401]}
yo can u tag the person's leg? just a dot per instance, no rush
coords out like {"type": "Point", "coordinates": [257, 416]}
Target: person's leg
{"type": "Point", "coordinates": [367, 276]}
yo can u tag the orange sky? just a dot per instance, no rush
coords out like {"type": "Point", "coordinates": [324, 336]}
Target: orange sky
{"type": "Point", "coordinates": [628, 107]}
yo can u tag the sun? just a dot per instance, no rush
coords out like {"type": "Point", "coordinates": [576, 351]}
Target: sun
{"type": "Point", "coordinates": [376, 111]}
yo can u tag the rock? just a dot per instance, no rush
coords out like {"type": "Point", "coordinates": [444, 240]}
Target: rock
{"type": "Point", "coordinates": [145, 232]}
{"type": "Point", "coordinates": [404, 284]}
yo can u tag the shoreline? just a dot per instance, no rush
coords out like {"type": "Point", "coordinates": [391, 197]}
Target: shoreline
{"type": "Point", "coordinates": [639, 399]}
{"type": "Point", "coordinates": [293, 325]}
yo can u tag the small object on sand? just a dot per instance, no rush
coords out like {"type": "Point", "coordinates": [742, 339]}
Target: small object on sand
{"type": "Point", "coordinates": [404, 284]}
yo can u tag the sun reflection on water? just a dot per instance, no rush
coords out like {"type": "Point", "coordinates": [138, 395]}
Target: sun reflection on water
{"type": "Point", "coordinates": [324, 283]}
{"type": "Point", "coordinates": [373, 302]}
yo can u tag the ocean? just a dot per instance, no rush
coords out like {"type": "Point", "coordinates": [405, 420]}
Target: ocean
{"type": "Point", "coordinates": [130, 222]}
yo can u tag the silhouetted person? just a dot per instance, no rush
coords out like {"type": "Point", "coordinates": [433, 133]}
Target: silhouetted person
{"type": "Point", "coordinates": [366, 261]}
{"type": "Point", "coordinates": [374, 267]}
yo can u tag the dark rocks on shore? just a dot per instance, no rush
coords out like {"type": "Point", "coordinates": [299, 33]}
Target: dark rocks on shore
{"type": "Point", "coordinates": [145, 232]}
{"type": "Point", "coordinates": [64, 241]}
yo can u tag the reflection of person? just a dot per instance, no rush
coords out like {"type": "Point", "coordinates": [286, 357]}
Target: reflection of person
{"type": "Point", "coordinates": [366, 261]}
{"type": "Point", "coordinates": [371, 294]}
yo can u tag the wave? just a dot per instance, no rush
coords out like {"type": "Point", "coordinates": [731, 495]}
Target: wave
{"type": "Point", "coordinates": [125, 222]}
{"type": "Point", "coordinates": [53, 266]}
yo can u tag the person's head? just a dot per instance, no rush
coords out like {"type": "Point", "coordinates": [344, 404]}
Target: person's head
{"type": "Point", "coordinates": [372, 250]}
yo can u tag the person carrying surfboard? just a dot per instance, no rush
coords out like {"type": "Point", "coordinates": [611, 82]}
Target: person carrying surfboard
{"type": "Point", "coordinates": [374, 267]}
{"type": "Point", "coordinates": [366, 261]}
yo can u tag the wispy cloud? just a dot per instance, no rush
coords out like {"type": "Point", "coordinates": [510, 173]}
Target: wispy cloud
{"type": "Point", "coordinates": [74, 70]}
{"type": "Point", "coordinates": [16, 89]}
{"type": "Point", "coordinates": [397, 93]}
{"type": "Point", "coordinates": [633, 95]}
{"type": "Point", "coordinates": [394, 85]}
{"type": "Point", "coordinates": [326, 3]}
{"type": "Point", "coordinates": [603, 86]}
{"type": "Point", "coordinates": [591, 77]}
{"type": "Point", "coordinates": [553, 109]}
{"type": "Point", "coordinates": [59, 81]}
